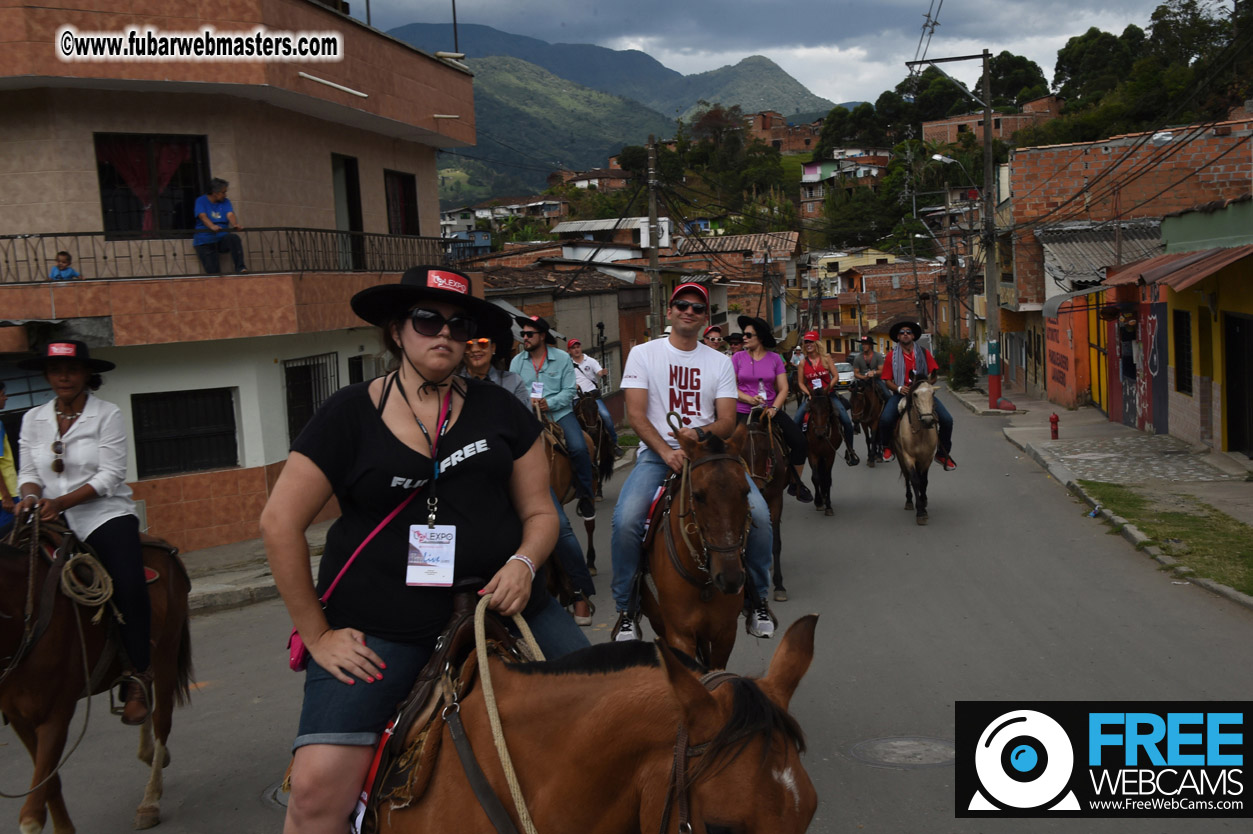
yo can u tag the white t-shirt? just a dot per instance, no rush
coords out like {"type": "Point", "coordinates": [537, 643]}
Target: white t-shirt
{"type": "Point", "coordinates": [686, 381]}
{"type": "Point", "coordinates": [585, 373]}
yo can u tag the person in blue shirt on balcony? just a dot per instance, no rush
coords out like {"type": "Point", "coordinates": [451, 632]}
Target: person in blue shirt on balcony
{"type": "Point", "coordinates": [63, 271]}
{"type": "Point", "coordinates": [549, 376]}
{"type": "Point", "coordinates": [215, 216]}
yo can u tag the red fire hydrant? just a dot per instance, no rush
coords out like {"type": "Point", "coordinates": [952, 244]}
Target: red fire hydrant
{"type": "Point", "coordinates": [1053, 421]}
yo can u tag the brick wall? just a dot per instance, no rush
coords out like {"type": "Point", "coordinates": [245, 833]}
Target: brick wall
{"type": "Point", "coordinates": [1195, 167]}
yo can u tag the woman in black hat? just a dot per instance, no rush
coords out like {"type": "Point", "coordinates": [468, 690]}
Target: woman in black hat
{"type": "Point", "coordinates": [761, 378]}
{"type": "Point", "coordinates": [374, 447]}
{"type": "Point", "coordinates": [73, 451]}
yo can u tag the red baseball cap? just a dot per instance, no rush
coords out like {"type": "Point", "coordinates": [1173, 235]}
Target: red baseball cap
{"type": "Point", "coordinates": [811, 336]}
{"type": "Point", "coordinates": [700, 288]}
{"type": "Point", "coordinates": [711, 328]}
{"type": "Point", "coordinates": [573, 342]}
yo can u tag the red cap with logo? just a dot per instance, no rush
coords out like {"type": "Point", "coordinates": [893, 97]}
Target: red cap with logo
{"type": "Point", "coordinates": [811, 336]}
{"type": "Point", "coordinates": [690, 287]}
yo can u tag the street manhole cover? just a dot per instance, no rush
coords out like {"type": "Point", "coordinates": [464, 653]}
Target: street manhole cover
{"type": "Point", "coordinates": [904, 752]}
{"type": "Point", "coordinates": [275, 796]}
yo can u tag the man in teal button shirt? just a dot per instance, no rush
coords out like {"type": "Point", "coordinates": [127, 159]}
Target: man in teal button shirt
{"type": "Point", "coordinates": [549, 376]}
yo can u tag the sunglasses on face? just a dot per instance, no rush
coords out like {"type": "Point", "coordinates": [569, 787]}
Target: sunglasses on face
{"type": "Point", "coordinates": [430, 323]}
{"type": "Point", "coordinates": [713, 338]}
{"type": "Point", "coordinates": [695, 306]}
{"type": "Point", "coordinates": [750, 335]}
{"type": "Point", "coordinates": [58, 449]}
{"type": "Point", "coordinates": [481, 342]}
{"type": "Point", "coordinates": [526, 334]}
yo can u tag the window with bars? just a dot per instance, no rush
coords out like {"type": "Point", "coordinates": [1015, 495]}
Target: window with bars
{"type": "Point", "coordinates": [149, 182]}
{"type": "Point", "coordinates": [309, 382]}
{"type": "Point", "coordinates": [1182, 324]}
{"type": "Point", "coordinates": [184, 431]}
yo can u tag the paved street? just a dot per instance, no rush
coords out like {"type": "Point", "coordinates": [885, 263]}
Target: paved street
{"type": "Point", "coordinates": [1009, 593]}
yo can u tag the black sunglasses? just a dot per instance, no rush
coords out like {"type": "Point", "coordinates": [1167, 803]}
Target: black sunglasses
{"type": "Point", "coordinates": [430, 323]}
{"type": "Point", "coordinates": [696, 306]}
{"type": "Point", "coordinates": [526, 334]}
{"type": "Point", "coordinates": [58, 449]}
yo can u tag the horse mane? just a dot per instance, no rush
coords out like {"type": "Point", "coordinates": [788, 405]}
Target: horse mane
{"type": "Point", "coordinates": [753, 714]}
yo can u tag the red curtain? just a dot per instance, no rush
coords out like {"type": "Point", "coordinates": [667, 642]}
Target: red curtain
{"type": "Point", "coordinates": [129, 157]}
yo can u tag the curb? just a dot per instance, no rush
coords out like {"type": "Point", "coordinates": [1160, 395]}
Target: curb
{"type": "Point", "coordinates": [983, 411]}
{"type": "Point", "coordinates": [1134, 535]}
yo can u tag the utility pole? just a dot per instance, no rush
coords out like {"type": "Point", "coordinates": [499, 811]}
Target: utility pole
{"type": "Point", "coordinates": [656, 299]}
{"type": "Point", "coordinates": [950, 281]}
{"type": "Point", "coordinates": [991, 267]}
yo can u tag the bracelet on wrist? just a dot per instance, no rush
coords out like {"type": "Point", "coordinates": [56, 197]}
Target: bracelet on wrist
{"type": "Point", "coordinates": [525, 560]}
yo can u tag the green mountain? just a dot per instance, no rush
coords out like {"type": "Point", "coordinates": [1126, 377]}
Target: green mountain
{"type": "Point", "coordinates": [535, 122]}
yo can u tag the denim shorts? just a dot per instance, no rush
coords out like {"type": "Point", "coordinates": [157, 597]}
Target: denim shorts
{"type": "Point", "coordinates": [355, 715]}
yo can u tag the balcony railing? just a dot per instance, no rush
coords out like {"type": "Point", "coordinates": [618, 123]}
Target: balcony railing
{"type": "Point", "coordinates": [26, 259]}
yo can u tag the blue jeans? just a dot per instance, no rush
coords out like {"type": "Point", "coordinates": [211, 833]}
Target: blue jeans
{"type": "Point", "coordinates": [608, 421]}
{"type": "Point", "coordinates": [840, 411]}
{"type": "Point", "coordinates": [555, 630]}
{"type": "Point", "coordinates": [570, 553]}
{"type": "Point", "coordinates": [209, 253]}
{"type": "Point", "coordinates": [628, 530]}
{"type": "Point", "coordinates": [579, 457]}
{"type": "Point", "coordinates": [887, 421]}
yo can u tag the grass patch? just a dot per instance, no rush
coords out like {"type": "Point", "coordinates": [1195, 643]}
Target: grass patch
{"type": "Point", "coordinates": [1212, 543]}
{"type": "Point", "coordinates": [625, 440]}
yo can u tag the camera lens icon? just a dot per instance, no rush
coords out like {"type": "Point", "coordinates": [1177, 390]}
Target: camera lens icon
{"type": "Point", "coordinates": [1024, 761]}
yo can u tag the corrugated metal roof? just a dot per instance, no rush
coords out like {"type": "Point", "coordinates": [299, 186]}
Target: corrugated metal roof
{"type": "Point", "coordinates": [1081, 251]}
{"type": "Point", "coordinates": [777, 243]}
{"type": "Point", "coordinates": [601, 225]}
{"type": "Point", "coordinates": [1181, 269]}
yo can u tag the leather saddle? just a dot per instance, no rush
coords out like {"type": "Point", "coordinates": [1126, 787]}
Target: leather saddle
{"type": "Point", "coordinates": [657, 511]}
{"type": "Point", "coordinates": [404, 766]}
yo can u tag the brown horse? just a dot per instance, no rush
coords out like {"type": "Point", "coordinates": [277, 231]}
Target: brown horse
{"type": "Point", "coordinates": [823, 438]}
{"type": "Point", "coordinates": [915, 439]}
{"type": "Point", "coordinates": [866, 407]}
{"type": "Point", "coordinates": [696, 557]}
{"type": "Point", "coordinates": [733, 764]}
{"type": "Point", "coordinates": [601, 450]}
{"type": "Point", "coordinates": [41, 684]}
{"type": "Point", "coordinates": [766, 455]}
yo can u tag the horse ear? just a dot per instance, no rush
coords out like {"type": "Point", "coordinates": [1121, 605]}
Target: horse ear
{"type": "Point", "coordinates": [735, 445]}
{"type": "Point", "coordinates": [699, 709]}
{"type": "Point", "coordinates": [791, 660]}
{"type": "Point", "coordinates": [690, 447]}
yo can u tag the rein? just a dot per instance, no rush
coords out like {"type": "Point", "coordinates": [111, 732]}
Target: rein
{"type": "Point", "coordinates": [825, 434]}
{"type": "Point", "coordinates": [679, 788]}
{"type": "Point", "coordinates": [29, 638]}
{"type": "Point", "coordinates": [687, 509]}
{"type": "Point", "coordinates": [752, 447]}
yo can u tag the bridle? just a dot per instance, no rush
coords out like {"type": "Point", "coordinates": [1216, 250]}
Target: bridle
{"type": "Point", "coordinates": [752, 447]}
{"type": "Point", "coordinates": [916, 415]}
{"type": "Point", "coordinates": [689, 525]}
{"type": "Point", "coordinates": [825, 434]}
{"type": "Point", "coordinates": [678, 792]}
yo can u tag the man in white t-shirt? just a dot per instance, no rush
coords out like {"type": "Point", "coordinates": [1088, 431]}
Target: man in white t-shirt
{"type": "Point", "coordinates": [679, 374]}
{"type": "Point", "coordinates": [587, 375]}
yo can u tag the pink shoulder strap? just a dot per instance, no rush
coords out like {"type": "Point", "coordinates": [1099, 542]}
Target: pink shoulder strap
{"type": "Point", "coordinates": [368, 539]}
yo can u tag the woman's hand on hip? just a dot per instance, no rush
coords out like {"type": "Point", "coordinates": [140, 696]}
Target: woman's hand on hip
{"type": "Point", "coordinates": [343, 653]}
{"type": "Point", "coordinates": [510, 588]}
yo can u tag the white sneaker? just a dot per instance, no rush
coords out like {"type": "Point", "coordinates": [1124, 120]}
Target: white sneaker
{"type": "Point", "coordinates": [625, 630]}
{"type": "Point", "coordinates": [761, 622]}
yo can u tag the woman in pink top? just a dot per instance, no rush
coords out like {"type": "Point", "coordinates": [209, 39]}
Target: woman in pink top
{"type": "Point", "coordinates": [762, 381]}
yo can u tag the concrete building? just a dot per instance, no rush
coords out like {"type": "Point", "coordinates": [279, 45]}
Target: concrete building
{"type": "Point", "coordinates": [332, 172]}
{"type": "Point", "coordinates": [949, 131]}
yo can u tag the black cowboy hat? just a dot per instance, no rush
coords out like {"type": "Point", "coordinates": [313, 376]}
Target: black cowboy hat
{"type": "Point", "coordinates": [765, 333]}
{"type": "Point", "coordinates": [735, 337]}
{"type": "Point", "coordinates": [539, 324]}
{"type": "Point", "coordinates": [895, 330]}
{"type": "Point", "coordinates": [66, 349]}
{"type": "Point", "coordinates": [383, 304]}
{"type": "Point", "coordinates": [866, 340]}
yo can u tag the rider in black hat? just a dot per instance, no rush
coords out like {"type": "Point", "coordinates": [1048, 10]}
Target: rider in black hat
{"type": "Point", "coordinates": [900, 364]}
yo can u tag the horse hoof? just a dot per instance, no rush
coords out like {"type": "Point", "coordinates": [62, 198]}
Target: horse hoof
{"type": "Point", "coordinates": [909, 505]}
{"type": "Point", "coordinates": [147, 817]}
{"type": "Point", "coordinates": [30, 827]}
{"type": "Point", "coordinates": [922, 520]}
{"type": "Point", "coordinates": [591, 569]}
{"type": "Point", "coordinates": [829, 511]}
{"type": "Point", "coordinates": [870, 462]}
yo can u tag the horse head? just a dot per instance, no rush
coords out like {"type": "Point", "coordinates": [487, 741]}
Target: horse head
{"type": "Point", "coordinates": [718, 492]}
{"type": "Point", "coordinates": [922, 400]}
{"type": "Point", "coordinates": [820, 413]}
{"type": "Point", "coordinates": [743, 748]}
{"type": "Point", "coordinates": [585, 410]}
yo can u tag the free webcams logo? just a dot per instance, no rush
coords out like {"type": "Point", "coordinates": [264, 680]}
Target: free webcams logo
{"type": "Point", "coordinates": [1101, 759]}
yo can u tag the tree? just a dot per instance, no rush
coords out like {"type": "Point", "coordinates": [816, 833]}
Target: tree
{"type": "Point", "coordinates": [1015, 79]}
{"type": "Point", "coordinates": [835, 133]}
{"type": "Point", "coordinates": [1183, 30]}
{"type": "Point", "coordinates": [1090, 65]}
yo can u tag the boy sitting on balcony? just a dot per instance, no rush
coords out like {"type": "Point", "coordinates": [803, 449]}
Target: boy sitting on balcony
{"type": "Point", "coordinates": [63, 271]}
{"type": "Point", "coordinates": [214, 215]}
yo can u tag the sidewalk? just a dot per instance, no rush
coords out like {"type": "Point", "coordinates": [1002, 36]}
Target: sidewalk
{"type": "Point", "coordinates": [1091, 448]}
{"type": "Point", "coordinates": [237, 574]}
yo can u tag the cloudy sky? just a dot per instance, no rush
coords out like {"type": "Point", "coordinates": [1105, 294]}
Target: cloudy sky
{"type": "Point", "coordinates": [839, 49]}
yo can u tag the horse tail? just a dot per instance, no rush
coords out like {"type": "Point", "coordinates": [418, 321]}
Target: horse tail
{"type": "Point", "coordinates": [184, 672]}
